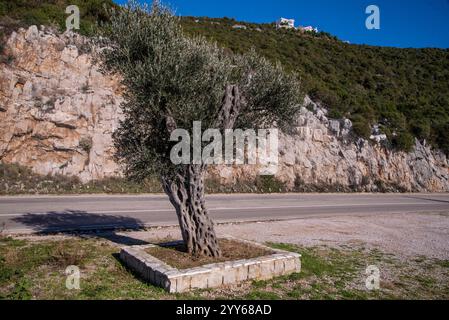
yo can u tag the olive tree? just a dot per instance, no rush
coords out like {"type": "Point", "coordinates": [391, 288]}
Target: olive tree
{"type": "Point", "coordinates": [172, 80]}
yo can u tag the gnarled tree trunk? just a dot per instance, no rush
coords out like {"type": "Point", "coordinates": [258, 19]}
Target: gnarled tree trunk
{"type": "Point", "coordinates": [186, 189]}
{"type": "Point", "coordinates": [186, 193]}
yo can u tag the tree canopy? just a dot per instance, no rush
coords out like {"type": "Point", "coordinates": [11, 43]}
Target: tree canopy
{"type": "Point", "coordinates": [173, 77]}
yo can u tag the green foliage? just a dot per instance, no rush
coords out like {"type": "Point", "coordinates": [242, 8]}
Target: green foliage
{"type": "Point", "coordinates": [86, 144]}
{"type": "Point", "coordinates": [361, 126]}
{"type": "Point", "coordinates": [442, 136]}
{"type": "Point", "coordinates": [403, 141]}
{"type": "Point", "coordinates": [37, 12]}
{"type": "Point", "coordinates": [269, 184]}
{"type": "Point", "coordinates": [21, 291]}
{"type": "Point", "coordinates": [16, 179]}
{"type": "Point", "coordinates": [173, 80]}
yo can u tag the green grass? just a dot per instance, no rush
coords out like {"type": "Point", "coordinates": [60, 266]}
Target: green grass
{"type": "Point", "coordinates": [35, 270]}
{"type": "Point", "coordinates": [443, 263]}
{"type": "Point", "coordinates": [16, 179]}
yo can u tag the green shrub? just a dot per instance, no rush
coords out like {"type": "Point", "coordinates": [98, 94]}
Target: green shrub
{"type": "Point", "coordinates": [361, 127]}
{"type": "Point", "coordinates": [86, 144]}
{"type": "Point", "coordinates": [269, 184]}
{"type": "Point", "coordinates": [403, 141]}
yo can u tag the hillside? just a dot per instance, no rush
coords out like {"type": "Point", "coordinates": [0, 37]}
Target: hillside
{"type": "Point", "coordinates": [406, 91]}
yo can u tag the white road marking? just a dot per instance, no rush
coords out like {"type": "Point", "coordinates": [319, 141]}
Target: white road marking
{"type": "Point", "coordinates": [223, 209]}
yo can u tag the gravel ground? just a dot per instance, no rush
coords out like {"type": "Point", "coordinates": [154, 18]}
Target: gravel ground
{"type": "Point", "coordinates": [404, 235]}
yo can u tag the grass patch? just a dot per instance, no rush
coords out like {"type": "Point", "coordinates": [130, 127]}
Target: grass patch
{"type": "Point", "coordinates": [16, 179]}
{"type": "Point", "coordinates": [36, 270]}
{"type": "Point", "coordinates": [443, 263]}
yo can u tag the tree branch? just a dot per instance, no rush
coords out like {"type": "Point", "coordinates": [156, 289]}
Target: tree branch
{"type": "Point", "coordinates": [230, 109]}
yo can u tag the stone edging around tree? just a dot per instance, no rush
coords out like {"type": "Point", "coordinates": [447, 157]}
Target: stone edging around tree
{"type": "Point", "coordinates": [214, 275]}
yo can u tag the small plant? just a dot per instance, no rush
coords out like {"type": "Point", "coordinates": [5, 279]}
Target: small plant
{"type": "Point", "coordinates": [48, 106]}
{"type": "Point", "coordinates": [86, 144]}
{"type": "Point", "coordinates": [269, 184]}
{"type": "Point", "coordinates": [21, 291]}
{"type": "Point", "coordinates": [64, 255]}
{"type": "Point", "coordinates": [85, 87]}
{"type": "Point", "coordinates": [403, 141]}
{"type": "Point", "coordinates": [7, 59]}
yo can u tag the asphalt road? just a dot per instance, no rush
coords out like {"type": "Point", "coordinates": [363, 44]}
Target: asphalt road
{"type": "Point", "coordinates": [65, 213]}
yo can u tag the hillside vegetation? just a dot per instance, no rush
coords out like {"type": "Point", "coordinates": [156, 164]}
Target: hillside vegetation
{"type": "Point", "coordinates": [406, 91]}
{"type": "Point", "coordinates": [20, 13]}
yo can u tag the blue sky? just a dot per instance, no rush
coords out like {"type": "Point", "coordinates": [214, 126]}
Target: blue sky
{"type": "Point", "coordinates": [404, 23]}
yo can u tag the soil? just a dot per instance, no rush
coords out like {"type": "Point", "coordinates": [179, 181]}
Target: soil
{"type": "Point", "coordinates": [232, 250]}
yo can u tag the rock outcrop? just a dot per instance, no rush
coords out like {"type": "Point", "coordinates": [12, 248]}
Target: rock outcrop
{"type": "Point", "coordinates": [322, 155]}
{"type": "Point", "coordinates": [57, 114]}
{"type": "Point", "coordinates": [57, 110]}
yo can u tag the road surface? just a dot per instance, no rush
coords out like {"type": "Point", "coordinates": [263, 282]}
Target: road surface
{"type": "Point", "coordinates": [66, 213]}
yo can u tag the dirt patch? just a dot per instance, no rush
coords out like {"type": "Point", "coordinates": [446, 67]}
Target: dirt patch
{"type": "Point", "coordinates": [232, 250]}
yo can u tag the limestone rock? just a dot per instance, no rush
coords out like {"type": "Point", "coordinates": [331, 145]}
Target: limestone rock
{"type": "Point", "coordinates": [52, 98]}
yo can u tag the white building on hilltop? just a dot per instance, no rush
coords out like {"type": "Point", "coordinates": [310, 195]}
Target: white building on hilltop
{"type": "Point", "coordinates": [285, 23]}
{"type": "Point", "coordinates": [309, 29]}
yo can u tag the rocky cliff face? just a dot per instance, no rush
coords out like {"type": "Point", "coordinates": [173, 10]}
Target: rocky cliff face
{"type": "Point", "coordinates": [323, 156]}
{"type": "Point", "coordinates": [57, 111]}
{"type": "Point", "coordinates": [57, 114]}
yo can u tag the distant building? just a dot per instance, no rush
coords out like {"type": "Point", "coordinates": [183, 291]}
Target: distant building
{"type": "Point", "coordinates": [239, 26]}
{"type": "Point", "coordinates": [285, 23]}
{"type": "Point", "coordinates": [308, 29]}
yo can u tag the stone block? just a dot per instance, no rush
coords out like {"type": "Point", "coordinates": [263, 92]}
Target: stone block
{"type": "Point", "coordinates": [198, 281]}
{"type": "Point", "coordinates": [289, 265]}
{"type": "Point", "coordinates": [254, 271]}
{"type": "Point", "coordinates": [215, 278]}
{"type": "Point", "coordinates": [182, 284]}
{"type": "Point", "coordinates": [279, 267]}
{"type": "Point", "coordinates": [241, 273]}
{"type": "Point", "coordinates": [297, 265]}
{"type": "Point", "coordinates": [173, 288]}
{"type": "Point", "coordinates": [229, 275]}
{"type": "Point", "coordinates": [267, 270]}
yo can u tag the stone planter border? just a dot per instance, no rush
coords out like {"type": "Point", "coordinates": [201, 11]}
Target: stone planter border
{"type": "Point", "coordinates": [213, 275]}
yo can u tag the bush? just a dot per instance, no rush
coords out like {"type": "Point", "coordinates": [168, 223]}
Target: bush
{"type": "Point", "coordinates": [361, 127]}
{"type": "Point", "coordinates": [269, 184]}
{"type": "Point", "coordinates": [86, 144]}
{"type": "Point", "coordinates": [403, 141]}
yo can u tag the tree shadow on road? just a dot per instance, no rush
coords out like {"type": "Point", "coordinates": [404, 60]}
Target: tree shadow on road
{"type": "Point", "coordinates": [76, 222]}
